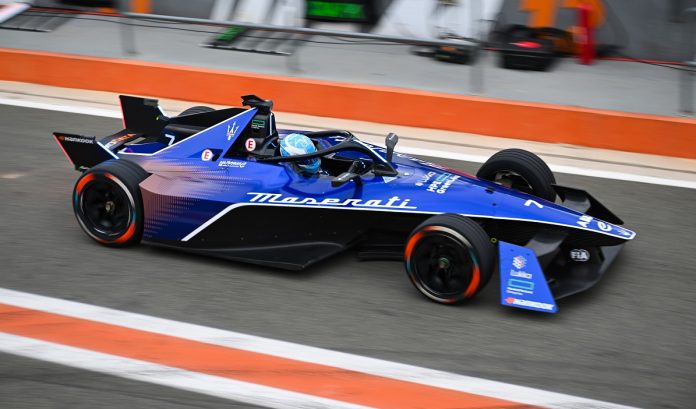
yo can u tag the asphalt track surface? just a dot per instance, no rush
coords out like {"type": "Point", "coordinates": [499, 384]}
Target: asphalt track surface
{"type": "Point", "coordinates": [629, 340]}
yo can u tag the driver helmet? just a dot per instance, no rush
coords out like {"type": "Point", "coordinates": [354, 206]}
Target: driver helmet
{"type": "Point", "coordinates": [298, 144]}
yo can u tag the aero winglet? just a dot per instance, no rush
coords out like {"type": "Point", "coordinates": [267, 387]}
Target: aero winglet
{"type": "Point", "coordinates": [522, 282]}
{"type": "Point", "coordinates": [83, 151]}
{"type": "Point", "coordinates": [142, 115]}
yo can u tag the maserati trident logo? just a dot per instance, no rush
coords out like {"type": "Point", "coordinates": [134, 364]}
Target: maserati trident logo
{"type": "Point", "coordinates": [231, 130]}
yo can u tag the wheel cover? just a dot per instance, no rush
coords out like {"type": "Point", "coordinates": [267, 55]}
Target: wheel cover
{"type": "Point", "coordinates": [441, 264]}
{"type": "Point", "coordinates": [513, 180]}
{"type": "Point", "coordinates": [106, 209]}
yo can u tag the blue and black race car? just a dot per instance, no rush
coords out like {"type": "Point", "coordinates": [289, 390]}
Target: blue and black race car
{"type": "Point", "coordinates": [215, 182]}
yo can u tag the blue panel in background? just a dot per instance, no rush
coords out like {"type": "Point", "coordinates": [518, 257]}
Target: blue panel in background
{"type": "Point", "coordinates": [522, 283]}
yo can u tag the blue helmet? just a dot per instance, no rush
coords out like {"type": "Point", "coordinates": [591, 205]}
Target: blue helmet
{"type": "Point", "coordinates": [298, 144]}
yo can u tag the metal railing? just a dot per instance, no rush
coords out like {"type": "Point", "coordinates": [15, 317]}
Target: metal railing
{"type": "Point", "coordinates": [686, 85]}
{"type": "Point", "coordinates": [476, 74]}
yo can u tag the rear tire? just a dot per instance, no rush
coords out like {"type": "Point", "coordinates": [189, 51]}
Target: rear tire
{"type": "Point", "coordinates": [520, 170]}
{"type": "Point", "coordinates": [449, 258]}
{"type": "Point", "coordinates": [108, 204]}
{"type": "Point", "coordinates": [196, 110]}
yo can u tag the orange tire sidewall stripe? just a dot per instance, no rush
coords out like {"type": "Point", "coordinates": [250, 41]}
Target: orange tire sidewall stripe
{"type": "Point", "coordinates": [475, 273]}
{"type": "Point", "coordinates": [308, 378]}
{"type": "Point", "coordinates": [132, 227]}
{"type": "Point", "coordinates": [83, 182]}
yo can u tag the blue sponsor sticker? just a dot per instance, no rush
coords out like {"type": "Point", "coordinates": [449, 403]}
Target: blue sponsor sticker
{"type": "Point", "coordinates": [522, 283]}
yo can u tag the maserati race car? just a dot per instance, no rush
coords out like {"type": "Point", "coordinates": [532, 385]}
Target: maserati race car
{"type": "Point", "coordinates": [214, 182]}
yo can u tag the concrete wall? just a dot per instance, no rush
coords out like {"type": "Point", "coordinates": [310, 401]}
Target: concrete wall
{"type": "Point", "coordinates": [646, 29]}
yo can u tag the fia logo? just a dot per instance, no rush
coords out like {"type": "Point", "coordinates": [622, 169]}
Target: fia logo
{"type": "Point", "coordinates": [231, 130]}
{"type": "Point", "coordinates": [581, 255]}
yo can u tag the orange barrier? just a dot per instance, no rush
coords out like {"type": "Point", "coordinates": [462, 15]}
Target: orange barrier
{"type": "Point", "coordinates": [485, 116]}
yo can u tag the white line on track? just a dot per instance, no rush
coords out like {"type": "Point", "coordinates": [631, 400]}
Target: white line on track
{"type": "Point", "coordinates": [73, 109]}
{"type": "Point", "coordinates": [372, 366]}
{"type": "Point", "coordinates": [573, 170]}
{"type": "Point", "coordinates": [164, 375]}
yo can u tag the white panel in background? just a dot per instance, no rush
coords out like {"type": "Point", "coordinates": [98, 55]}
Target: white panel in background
{"type": "Point", "coordinates": [412, 18]}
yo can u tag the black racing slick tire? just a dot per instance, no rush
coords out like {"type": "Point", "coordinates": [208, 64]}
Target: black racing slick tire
{"type": "Point", "coordinates": [449, 258]}
{"type": "Point", "coordinates": [108, 204]}
{"type": "Point", "coordinates": [196, 110]}
{"type": "Point", "coordinates": [521, 170]}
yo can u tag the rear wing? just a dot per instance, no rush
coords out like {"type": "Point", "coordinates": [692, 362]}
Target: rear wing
{"type": "Point", "coordinates": [83, 151]}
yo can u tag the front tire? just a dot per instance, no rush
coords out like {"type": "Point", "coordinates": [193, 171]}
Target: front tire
{"type": "Point", "coordinates": [108, 204]}
{"type": "Point", "coordinates": [520, 170]}
{"type": "Point", "coordinates": [449, 258]}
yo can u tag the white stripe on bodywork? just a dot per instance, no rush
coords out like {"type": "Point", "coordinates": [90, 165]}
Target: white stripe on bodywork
{"type": "Point", "coordinates": [238, 205]}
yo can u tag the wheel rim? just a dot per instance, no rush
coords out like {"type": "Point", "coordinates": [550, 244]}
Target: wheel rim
{"type": "Point", "coordinates": [105, 208]}
{"type": "Point", "coordinates": [442, 265]}
{"type": "Point", "coordinates": [513, 180]}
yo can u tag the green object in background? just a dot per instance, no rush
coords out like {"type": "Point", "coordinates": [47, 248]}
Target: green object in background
{"type": "Point", "coordinates": [230, 34]}
{"type": "Point", "coordinates": [257, 123]}
{"type": "Point", "coordinates": [341, 11]}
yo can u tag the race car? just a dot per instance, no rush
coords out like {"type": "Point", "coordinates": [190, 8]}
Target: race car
{"type": "Point", "coordinates": [215, 182]}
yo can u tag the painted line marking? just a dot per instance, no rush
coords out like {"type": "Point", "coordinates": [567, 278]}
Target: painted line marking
{"type": "Point", "coordinates": [573, 170]}
{"type": "Point", "coordinates": [251, 367]}
{"type": "Point", "coordinates": [163, 375]}
{"type": "Point", "coordinates": [11, 175]}
{"type": "Point", "coordinates": [74, 331]}
{"type": "Point", "coordinates": [72, 109]}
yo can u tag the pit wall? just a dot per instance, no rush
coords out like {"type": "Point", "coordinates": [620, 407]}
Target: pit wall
{"type": "Point", "coordinates": [645, 29]}
{"type": "Point", "coordinates": [485, 116]}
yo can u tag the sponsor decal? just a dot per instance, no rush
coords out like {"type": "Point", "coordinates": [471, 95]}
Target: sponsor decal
{"type": "Point", "coordinates": [232, 164]}
{"type": "Point", "coordinates": [584, 220]}
{"type": "Point", "coordinates": [442, 183]}
{"type": "Point", "coordinates": [528, 303]}
{"type": "Point", "coordinates": [519, 262]}
{"type": "Point", "coordinates": [603, 226]}
{"type": "Point", "coordinates": [522, 274]}
{"type": "Point", "coordinates": [395, 202]}
{"type": "Point", "coordinates": [76, 139]}
{"type": "Point", "coordinates": [257, 123]}
{"type": "Point", "coordinates": [581, 255]}
{"type": "Point", "coordinates": [425, 179]}
{"type": "Point", "coordinates": [119, 139]}
{"type": "Point", "coordinates": [250, 144]}
{"type": "Point", "coordinates": [523, 288]}
{"type": "Point", "coordinates": [521, 284]}
{"type": "Point", "coordinates": [231, 130]}
{"type": "Point", "coordinates": [207, 155]}
{"type": "Point", "coordinates": [438, 185]}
